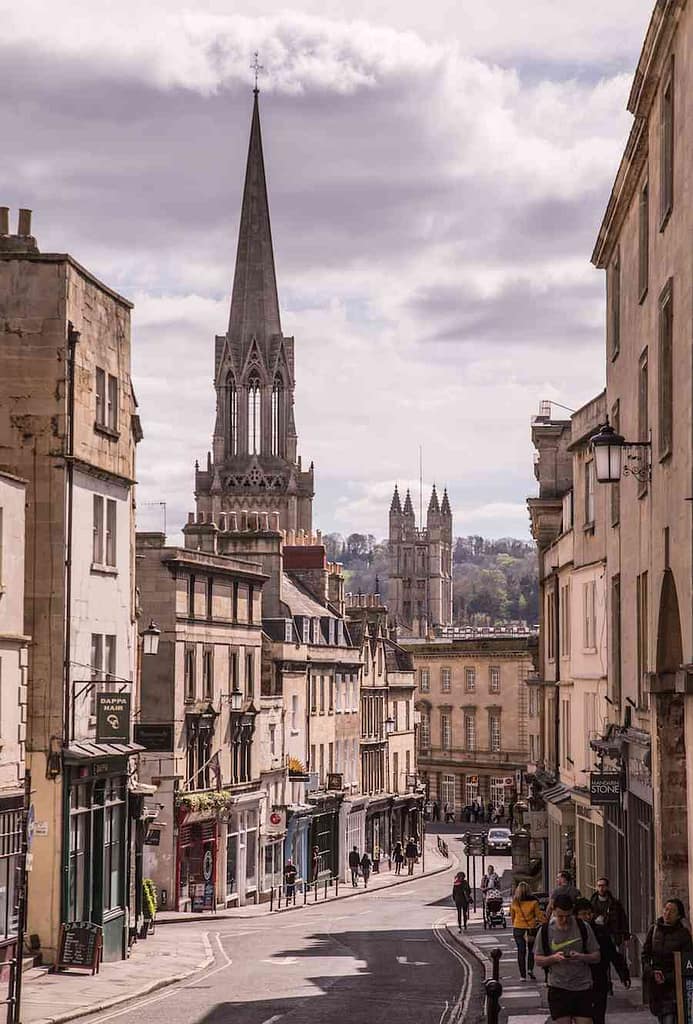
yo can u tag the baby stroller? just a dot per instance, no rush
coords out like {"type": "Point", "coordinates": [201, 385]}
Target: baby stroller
{"type": "Point", "coordinates": [494, 914]}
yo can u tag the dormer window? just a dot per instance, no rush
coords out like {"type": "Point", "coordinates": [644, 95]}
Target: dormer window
{"type": "Point", "coordinates": [316, 631]}
{"type": "Point", "coordinates": [288, 631]}
{"type": "Point", "coordinates": [340, 633]}
{"type": "Point", "coordinates": [331, 631]}
{"type": "Point", "coordinates": [306, 630]}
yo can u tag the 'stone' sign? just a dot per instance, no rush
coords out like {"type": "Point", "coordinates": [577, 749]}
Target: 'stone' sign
{"type": "Point", "coordinates": [112, 717]}
{"type": "Point", "coordinates": [605, 788]}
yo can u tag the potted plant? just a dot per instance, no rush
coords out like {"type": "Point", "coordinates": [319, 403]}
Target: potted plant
{"type": "Point", "coordinates": [149, 906]}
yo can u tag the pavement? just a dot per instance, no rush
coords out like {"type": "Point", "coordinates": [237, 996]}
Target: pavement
{"type": "Point", "coordinates": [192, 944]}
{"type": "Point", "coordinates": [524, 1002]}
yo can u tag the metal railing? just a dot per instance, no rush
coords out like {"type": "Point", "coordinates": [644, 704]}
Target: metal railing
{"type": "Point", "coordinates": [321, 889]}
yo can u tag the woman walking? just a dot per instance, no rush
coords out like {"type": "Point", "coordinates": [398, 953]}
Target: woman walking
{"type": "Point", "coordinates": [411, 852]}
{"type": "Point", "coordinates": [526, 917]}
{"type": "Point", "coordinates": [366, 869]}
{"type": "Point", "coordinates": [668, 935]}
{"type": "Point", "coordinates": [398, 858]}
{"type": "Point", "coordinates": [461, 897]}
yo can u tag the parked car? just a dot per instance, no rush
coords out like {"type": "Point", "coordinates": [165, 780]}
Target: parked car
{"type": "Point", "coordinates": [498, 840]}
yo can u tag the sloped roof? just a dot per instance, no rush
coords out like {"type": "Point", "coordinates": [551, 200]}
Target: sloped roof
{"type": "Point", "coordinates": [300, 602]}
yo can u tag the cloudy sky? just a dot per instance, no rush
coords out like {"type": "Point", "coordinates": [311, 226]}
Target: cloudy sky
{"type": "Point", "coordinates": [437, 174]}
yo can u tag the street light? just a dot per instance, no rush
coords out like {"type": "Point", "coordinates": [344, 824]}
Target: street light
{"type": "Point", "coordinates": [609, 448]}
{"type": "Point", "coordinates": [389, 726]}
{"type": "Point", "coordinates": [236, 699]}
{"type": "Point", "coordinates": [150, 638]}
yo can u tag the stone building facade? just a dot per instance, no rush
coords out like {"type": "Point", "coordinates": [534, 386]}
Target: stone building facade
{"type": "Point", "coordinates": [473, 700]}
{"type": "Point", "coordinates": [13, 699]}
{"type": "Point", "coordinates": [644, 248]}
{"type": "Point", "coordinates": [69, 426]}
{"type": "Point", "coordinates": [569, 522]}
{"type": "Point", "coordinates": [201, 752]}
{"type": "Point", "coordinates": [420, 581]}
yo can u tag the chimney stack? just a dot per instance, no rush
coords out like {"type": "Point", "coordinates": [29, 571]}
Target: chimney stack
{"type": "Point", "coordinates": [24, 223]}
{"type": "Point", "coordinates": [4, 220]}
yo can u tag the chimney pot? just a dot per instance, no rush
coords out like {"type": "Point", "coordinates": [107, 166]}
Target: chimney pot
{"type": "Point", "coordinates": [4, 220]}
{"type": "Point", "coordinates": [24, 223]}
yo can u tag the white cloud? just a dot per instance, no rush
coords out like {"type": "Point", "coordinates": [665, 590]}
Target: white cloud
{"type": "Point", "coordinates": [433, 213]}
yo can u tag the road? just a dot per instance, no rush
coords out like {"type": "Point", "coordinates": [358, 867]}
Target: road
{"type": "Point", "coordinates": [378, 957]}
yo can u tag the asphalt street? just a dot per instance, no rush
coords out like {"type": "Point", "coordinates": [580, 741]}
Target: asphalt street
{"type": "Point", "coordinates": [383, 956]}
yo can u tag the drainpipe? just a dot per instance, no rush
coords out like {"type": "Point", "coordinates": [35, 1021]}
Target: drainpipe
{"type": "Point", "coordinates": [73, 337]}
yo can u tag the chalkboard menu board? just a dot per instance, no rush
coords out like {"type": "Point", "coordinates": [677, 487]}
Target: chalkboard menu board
{"type": "Point", "coordinates": [80, 946]}
{"type": "Point", "coordinates": [683, 963]}
{"type": "Point", "coordinates": [202, 896]}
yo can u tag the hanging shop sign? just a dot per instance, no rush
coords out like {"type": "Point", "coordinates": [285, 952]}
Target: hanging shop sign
{"type": "Point", "coordinates": [112, 717]}
{"type": "Point", "coordinates": [605, 788]}
{"type": "Point", "coordinates": [276, 823]}
{"type": "Point", "coordinates": [154, 737]}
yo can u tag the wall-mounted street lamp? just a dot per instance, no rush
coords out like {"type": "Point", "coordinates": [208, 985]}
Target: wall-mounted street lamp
{"type": "Point", "coordinates": [234, 699]}
{"type": "Point", "coordinates": [389, 726]}
{"type": "Point", "coordinates": [150, 638]}
{"type": "Point", "coordinates": [615, 457]}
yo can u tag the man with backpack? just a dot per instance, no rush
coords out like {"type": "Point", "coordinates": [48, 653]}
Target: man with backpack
{"type": "Point", "coordinates": [567, 947]}
{"type": "Point", "coordinates": [601, 976]}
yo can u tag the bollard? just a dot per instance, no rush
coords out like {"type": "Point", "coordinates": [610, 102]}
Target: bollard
{"type": "Point", "coordinates": [494, 990]}
{"type": "Point", "coordinates": [316, 892]}
{"type": "Point", "coordinates": [325, 888]}
{"type": "Point", "coordinates": [271, 899]}
{"type": "Point", "coordinates": [305, 894]}
{"type": "Point", "coordinates": [336, 885]}
{"type": "Point", "coordinates": [279, 897]}
{"type": "Point", "coordinates": [496, 955]}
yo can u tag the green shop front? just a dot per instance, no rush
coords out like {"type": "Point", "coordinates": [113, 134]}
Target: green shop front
{"type": "Point", "coordinates": [97, 839]}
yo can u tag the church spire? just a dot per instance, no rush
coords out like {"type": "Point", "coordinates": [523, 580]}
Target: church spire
{"type": "Point", "coordinates": [396, 506]}
{"type": "Point", "coordinates": [445, 507]}
{"type": "Point", "coordinates": [408, 507]}
{"type": "Point", "coordinates": [433, 506]}
{"type": "Point", "coordinates": [254, 300]}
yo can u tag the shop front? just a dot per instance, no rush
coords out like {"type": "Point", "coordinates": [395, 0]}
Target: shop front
{"type": "Point", "coordinates": [378, 828]}
{"type": "Point", "coordinates": [10, 853]}
{"type": "Point", "coordinates": [352, 831]}
{"type": "Point", "coordinates": [406, 818]}
{"type": "Point", "coordinates": [589, 848]}
{"type": "Point", "coordinates": [324, 838]}
{"type": "Point", "coordinates": [298, 828]}
{"type": "Point", "coordinates": [96, 842]}
{"type": "Point", "coordinates": [196, 861]}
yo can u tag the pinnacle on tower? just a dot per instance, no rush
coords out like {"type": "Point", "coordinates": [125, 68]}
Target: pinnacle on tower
{"type": "Point", "coordinates": [254, 299]}
{"type": "Point", "coordinates": [408, 507]}
{"type": "Point", "coordinates": [433, 506]}
{"type": "Point", "coordinates": [445, 506]}
{"type": "Point", "coordinates": [396, 506]}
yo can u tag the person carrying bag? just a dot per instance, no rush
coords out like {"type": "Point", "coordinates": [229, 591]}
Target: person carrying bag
{"type": "Point", "coordinates": [526, 917]}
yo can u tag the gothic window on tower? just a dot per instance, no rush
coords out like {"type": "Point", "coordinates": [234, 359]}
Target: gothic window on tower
{"type": "Point", "coordinates": [277, 413]}
{"type": "Point", "coordinates": [232, 412]}
{"type": "Point", "coordinates": [254, 421]}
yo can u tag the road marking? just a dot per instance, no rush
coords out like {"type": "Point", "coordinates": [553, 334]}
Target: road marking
{"type": "Point", "coordinates": [411, 963]}
{"type": "Point", "coordinates": [281, 961]}
{"type": "Point", "coordinates": [461, 1007]}
{"type": "Point", "coordinates": [176, 988]}
{"type": "Point", "coordinates": [271, 1020]}
{"type": "Point", "coordinates": [445, 1010]}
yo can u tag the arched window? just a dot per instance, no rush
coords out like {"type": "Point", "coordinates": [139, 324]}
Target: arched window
{"type": "Point", "coordinates": [277, 411]}
{"type": "Point", "coordinates": [254, 420]}
{"type": "Point", "coordinates": [231, 415]}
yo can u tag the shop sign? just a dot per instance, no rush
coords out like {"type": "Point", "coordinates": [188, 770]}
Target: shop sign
{"type": "Point", "coordinates": [154, 737]}
{"type": "Point", "coordinates": [153, 837]}
{"type": "Point", "coordinates": [203, 896]}
{"type": "Point", "coordinates": [80, 945]}
{"type": "Point", "coordinates": [276, 823]}
{"type": "Point", "coordinates": [683, 965]}
{"type": "Point", "coordinates": [473, 780]}
{"type": "Point", "coordinates": [335, 780]}
{"type": "Point", "coordinates": [539, 824]}
{"type": "Point", "coordinates": [605, 788]}
{"type": "Point", "coordinates": [112, 717]}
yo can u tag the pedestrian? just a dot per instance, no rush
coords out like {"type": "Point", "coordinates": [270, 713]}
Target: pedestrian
{"type": "Point", "coordinates": [609, 912]}
{"type": "Point", "coordinates": [567, 948]}
{"type": "Point", "coordinates": [290, 875]}
{"type": "Point", "coordinates": [376, 860]}
{"type": "Point", "coordinates": [461, 897]}
{"type": "Point", "coordinates": [398, 858]}
{"type": "Point", "coordinates": [601, 972]}
{"type": "Point", "coordinates": [668, 935]}
{"type": "Point", "coordinates": [526, 917]}
{"type": "Point", "coordinates": [489, 881]}
{"type": "Point", "coordinates": [428, 808]}
{"type": "Point", "coordinates": [366, 864]}
{"type": "Point", "coordinates": [316, 863]}
{"type": "Point", "coordinates": [411, 853]}
{"type": "Point", "coordinates": [436, 811]}
{"type": "Point", "coordinates": [354, 861]}
{"type": "Point", "coordinates": [511, 813]}
{"type": "Point", "coordinates": [564, 887]}
{"type": "Point", "coordinates": [501, 813]}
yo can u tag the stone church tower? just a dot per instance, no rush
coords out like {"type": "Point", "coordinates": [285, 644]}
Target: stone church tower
{"type": "Point", "coordinates": [420, 589]}
{"type": "Point", "coordinates": [254, 464]}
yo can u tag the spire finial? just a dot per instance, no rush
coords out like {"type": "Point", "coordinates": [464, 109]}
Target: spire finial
{"type": "Point", "coordinates": [257, 67]}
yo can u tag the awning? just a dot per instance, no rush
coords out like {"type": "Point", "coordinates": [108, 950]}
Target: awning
{"type": "Point", "coordinates": [87, 750]}
{"type": "Point", "coordinates": [556, 794]}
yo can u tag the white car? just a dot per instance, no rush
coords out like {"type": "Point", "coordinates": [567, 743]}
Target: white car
{"type": "Point", "coordinates": [498, 840]}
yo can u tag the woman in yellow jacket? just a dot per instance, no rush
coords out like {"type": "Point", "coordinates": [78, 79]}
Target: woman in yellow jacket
{"type": "Point", "coordinates": [527, 918]}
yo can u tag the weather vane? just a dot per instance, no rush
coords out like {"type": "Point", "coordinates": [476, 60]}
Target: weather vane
{"type": "Point", "coordinates": [257, 67]}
